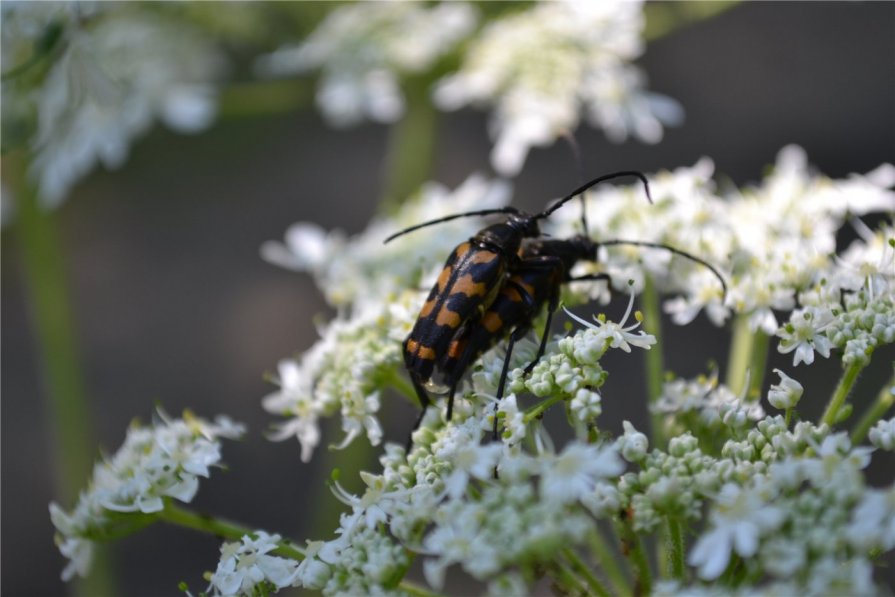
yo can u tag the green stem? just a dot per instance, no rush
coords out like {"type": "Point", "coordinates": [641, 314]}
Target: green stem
{"type": "Point", "coordinates": [51, 313]}
{"type": "Point", "coordinates": [740, 353]}
{"type": "Point", "coordinates": [540, 408]}
{"type": "Point", "coordinates": [675, 549]}
{"type": "Point", "coordinates": [567, 580]}
{"type": "Point", "coordinates": [841, 393]}
{"type": "Point", "coordinates": [654, 363]}
{"type": "Point", "coordinates": [663, 18]}
{"type": "Point", "coordinates": [880, 407]}
{"type": "Point", "coordinates": [404, 387]}
{"type": "Point", "coordinates": [416, 590]}
{"type": "Point", "coordinates": [757, 364]}
{"type": "Point", "coordinates": [609, 563]}
{"type": "Point", "coordinates": [66, 402]}
{"type": "Point", "coordinates": [177, 515]}
{"type": "Point", "coordinates": [788, 417]}
{"type": "Point", "coordinates": [643, 577]}
{"type": "Point", "coordinates": [596, 587]}
{"type": "Point", "coordinates": [411, 146]}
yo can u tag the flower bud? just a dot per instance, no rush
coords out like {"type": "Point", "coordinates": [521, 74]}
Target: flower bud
{"type": "Point", "coordinates": [786, 394]}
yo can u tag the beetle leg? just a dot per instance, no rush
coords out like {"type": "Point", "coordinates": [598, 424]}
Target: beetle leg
{"type": "Point", "coordinates": [424, 403]}
{"type": "Point", "coordinates": [518, 333]}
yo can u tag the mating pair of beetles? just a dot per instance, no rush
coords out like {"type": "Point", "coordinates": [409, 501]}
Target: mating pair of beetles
{"type": "Point", "coordinates": [493, 286]}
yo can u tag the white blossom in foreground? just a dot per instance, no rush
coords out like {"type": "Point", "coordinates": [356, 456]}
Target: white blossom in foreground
{"type": "Point", "coordinates": [154, 464]}
{"type": "Point", "coordinates": [741, 517]}
{"type": "Point", "coordinates": [118, 69]}
{"type": "Point", "coordinates": [362, 51]}
{"type": "Point", "coordinates": [882, 435]}
{"type": "Point", "coordinates": [546, 68]}
{"type": "Point", "coordinates": [247, 567]}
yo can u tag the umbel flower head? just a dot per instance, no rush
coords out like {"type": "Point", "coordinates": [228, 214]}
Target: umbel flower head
{"type": "Point", "coordinates": [541, 69]}
{"type": "Point", "coordinates": [362, 51]}
{"type": "Point", "coordinates": [153, 465]}
{"type": "Point", "coordinates": [118, 69]}
{"type": "Point", "coordinates": [546, 68]}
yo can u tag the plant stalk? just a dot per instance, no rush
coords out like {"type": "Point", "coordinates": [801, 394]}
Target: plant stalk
{"type": "Point", "coordinates": [177, 515]}
{"type": "Point", "coordinates": [740, 353]}
{"type": "Point", "coordinates": [609, 563]}
{"type": "Point", "coordinates": [841, 393]}
{"type": "Point", "coordinates": [593, 583]}
{"type": "Point", "coordinates": [63, 389]}
{"type": "Point", "coordinates": [675, 549]}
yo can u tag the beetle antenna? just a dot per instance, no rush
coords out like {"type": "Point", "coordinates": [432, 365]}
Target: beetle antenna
{"type": "Point", "coordinates": [481, 212]}
{"type": "Point", "coordinates": [592, 183]}
{"type": "Point", "coordinates": [691, 257]}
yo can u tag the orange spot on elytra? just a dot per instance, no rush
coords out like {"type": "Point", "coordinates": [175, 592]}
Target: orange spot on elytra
{"type": "Point", "coordinates": [448, 318]}
{"type": "Point", "coordinates": [468, 286]}
{"type": "Point", "coordinates": [492, 322]}
{"type": "Point", "coordinates": [419, 351]}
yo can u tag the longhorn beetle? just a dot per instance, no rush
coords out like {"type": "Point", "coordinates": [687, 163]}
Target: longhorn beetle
{"type": "Point", "coordinates": [470, 281]}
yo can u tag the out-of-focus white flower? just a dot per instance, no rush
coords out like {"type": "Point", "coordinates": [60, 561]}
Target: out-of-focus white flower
{"type": "Point", "coordinates": [714, 403]}
{"type": "Point", "coordinates": [573, 473]}
{"type": "Point", "coordinates": [546, 68]}
{"type": "Point", "coordinates": [116, 72]}
{"type": "Point", "coordinates": [740, 518]}
{"type": "Point", "coordinates": [153, 464]}
{"type": "Point", "coordinates": [786, 394]}
{"type": "Point", "coordinates": [363, 49]}
{"type": "Point", "coordinates": [882, 435]}
{"type": "Point", "coordinates": [247, 566]}
{"type": "Point", "coordinates": [873, 521]}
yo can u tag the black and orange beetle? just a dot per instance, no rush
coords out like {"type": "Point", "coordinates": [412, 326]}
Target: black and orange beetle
{"type": "Point", "coordinates": [493, 286]}
{"type": "Point", "coordinates": [470, 281]}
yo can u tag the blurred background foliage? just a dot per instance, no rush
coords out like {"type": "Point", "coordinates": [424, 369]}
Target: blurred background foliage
{"type": "Point", "coordinates": [144, 286]}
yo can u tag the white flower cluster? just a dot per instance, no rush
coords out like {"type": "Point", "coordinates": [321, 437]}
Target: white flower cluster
{"type": "Point", "coordinates": [363, 49]}
{"type": "Point", "coordinates": [775, 244]}
{"type": "Point", "coordinates": [703, 406]}
{"type": "Point", "coordinates": [154, 464]}
{"type": "Point", "coordinates": [779, 498]}
{"type": "Point", "coordinates": [546, 68]}
{"type": "Point", "coordinates": [781, 521]}
{"type": "Point", "coordinates": [117, 69]}
{"type": "Point", "coordinates": [342, 373]}
{"type": "Point", "coordinates": [543, 69]}
{"type": "Point", "coordinates": [488, 508]}
{"type": "Point", "coordinates": [571, 369]}
{"type": "Point", "coordinates": [247, 567]}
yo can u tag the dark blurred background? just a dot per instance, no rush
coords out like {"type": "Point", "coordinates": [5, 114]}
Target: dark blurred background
{"type": "Point", "coordinates": [173, 305]}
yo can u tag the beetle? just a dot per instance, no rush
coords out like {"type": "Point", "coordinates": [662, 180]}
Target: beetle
{"type": "Point", "coordinates": [470, 281]}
